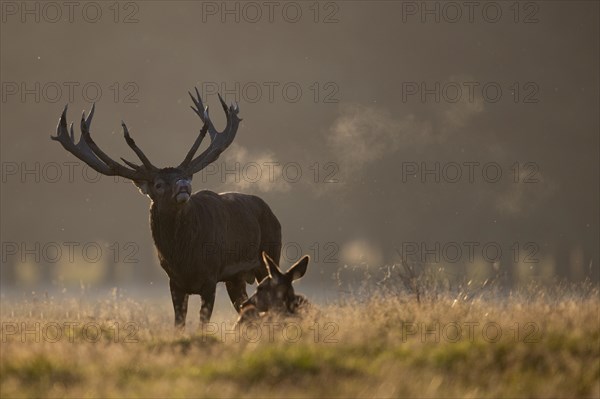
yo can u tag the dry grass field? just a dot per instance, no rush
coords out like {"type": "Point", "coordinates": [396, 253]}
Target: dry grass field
{"type": "Point", "coordinates": [537, 342]}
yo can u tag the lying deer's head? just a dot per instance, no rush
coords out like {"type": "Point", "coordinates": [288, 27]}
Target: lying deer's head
{"type": "Point", "coordinates": [275, 292]}
{"type": "Point", "coordinates": [167, 187]}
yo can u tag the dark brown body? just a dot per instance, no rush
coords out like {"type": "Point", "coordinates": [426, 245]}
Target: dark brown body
{"type": "Point", "coordinates": [213, 238]}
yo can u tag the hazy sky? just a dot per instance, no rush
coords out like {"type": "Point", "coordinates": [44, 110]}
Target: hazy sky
{"type": "Point", "coordinates": [351, 112]}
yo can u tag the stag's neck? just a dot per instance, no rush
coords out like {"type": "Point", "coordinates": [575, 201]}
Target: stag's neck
{"type": "Point", "coordinates": [165, 223]}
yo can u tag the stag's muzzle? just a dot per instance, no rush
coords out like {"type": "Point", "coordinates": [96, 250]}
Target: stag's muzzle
{"type": "Point", "coordinates": [183, 191]}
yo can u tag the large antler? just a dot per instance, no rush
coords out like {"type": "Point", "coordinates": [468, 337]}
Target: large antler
{"type": "Point", "coordinates": [219, 141]}
{"type": "Point", "coordinates": [89, 152]}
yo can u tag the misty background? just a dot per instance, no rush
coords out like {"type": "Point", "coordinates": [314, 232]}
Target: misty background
{"type": "Point", "coordinates": [341, 116]}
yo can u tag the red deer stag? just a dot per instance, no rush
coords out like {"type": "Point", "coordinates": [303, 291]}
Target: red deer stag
{"type": "Point", "coordinates": [275, 294]}
{"type": "Point", "coordinates": [201, 238]}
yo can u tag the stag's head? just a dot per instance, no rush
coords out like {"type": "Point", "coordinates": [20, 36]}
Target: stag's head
{"type": "Point", "coordinates": [275, 292]}
{"type": "Point", "coordinates": [169, 187]}
{"type": "Point", "coordinates": [166, 187]}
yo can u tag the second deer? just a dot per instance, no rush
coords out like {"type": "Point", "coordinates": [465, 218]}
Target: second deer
{"type": "Point", "coordinates": [275, 293]}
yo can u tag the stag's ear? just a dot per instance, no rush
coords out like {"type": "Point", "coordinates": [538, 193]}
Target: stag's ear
{"type": "Point", "coordinates": [272, 267]}
{"type": "Point", "coordinates": [144, 187]}
{"type": "Point", "coordinates": [299, 269]}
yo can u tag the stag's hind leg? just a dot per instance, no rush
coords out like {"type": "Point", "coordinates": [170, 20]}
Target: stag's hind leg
{"type": "Point", "coordinates": [180, 304]}
{"type": "Point", "coordinates": [236, 288]}
{"type": "Point", "coordinates": [208, 302]}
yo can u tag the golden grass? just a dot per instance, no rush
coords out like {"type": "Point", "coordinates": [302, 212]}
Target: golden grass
{"type": "Point", "coordinates": [384, 347]}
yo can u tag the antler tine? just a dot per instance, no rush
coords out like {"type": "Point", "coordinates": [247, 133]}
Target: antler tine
{"type": "Point", "coordinates": [131, 164]}
{"type": "Point", "coordinates": [80, 150]}
{"type": "Point", "coordinates": [223, 104]}
{"type": "Point", "coordinates": [199, 106]}
{"type": "Point", "coordinates": [219, 140]}
{"type": "Point", "coordinates": [136, 149]}
{"type": "Point", "coordinates": [88, 120]}
{"type": "Point", "coordinates": [72, 133]}
{"type": "Point", "coordinates": [61, 128]}
{"type": "Point", "coordinates": [87, 150]}
{"type": "Point", "coordinates": [196, 145]}
{"type": "Point", "coordinates": [206, 127]}
{"type": "Point", "coordinates": [85, 134]}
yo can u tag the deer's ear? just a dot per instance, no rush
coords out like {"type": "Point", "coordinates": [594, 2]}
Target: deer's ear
{"type": "Point", "coordinates": [144, 187]}
{"type": "Point", "coordinates": [272, 267]}
{"type": "Point", "coordinates": [299, 269]}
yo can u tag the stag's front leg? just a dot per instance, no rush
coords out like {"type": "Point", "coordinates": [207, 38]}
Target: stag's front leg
{"type": "Point", "coordinates": [180, 304]}
{"type": "Point", "coordinates": [208, 302]}
{"type": "Point", "coordinates": [236, 288]}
